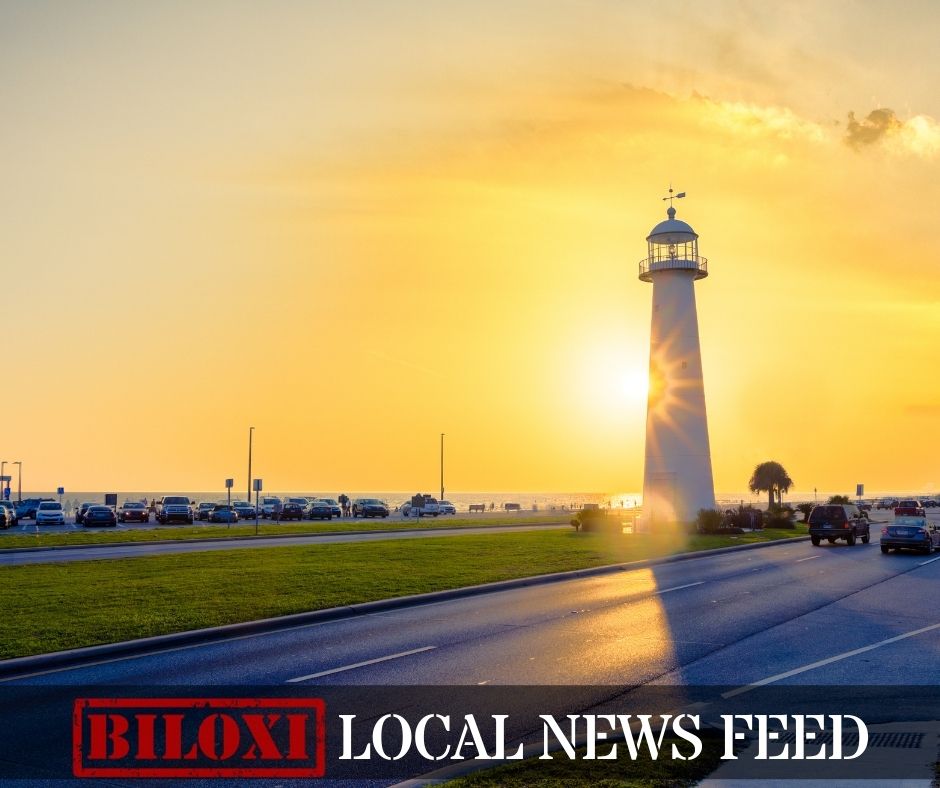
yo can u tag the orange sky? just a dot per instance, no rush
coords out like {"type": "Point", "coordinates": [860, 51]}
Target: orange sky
{"type": "Point", "coordinates": [358, 225]}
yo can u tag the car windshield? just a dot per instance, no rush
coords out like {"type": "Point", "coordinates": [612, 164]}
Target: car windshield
{"type": "Point", "coordinates": [173, 499]}
{"type": "Point", "coordinates": [909, 520]}
{"type": "Point", "coordinates": [220, 508]}
{"type": "Point", "coordinates": [827, 514]}
{"type": "Point", "coordinates": [99, 510]}
{"type": "Point", "coordinates": [446, 503]}
{"type": "Point", "coordinates": [133, 506]}
{"type": "Point", "coordinates": [370, 500]}
{"type": "Point", "coordinates": [50, 505]}
{"type": "Point", "coordinates": [330, 501]}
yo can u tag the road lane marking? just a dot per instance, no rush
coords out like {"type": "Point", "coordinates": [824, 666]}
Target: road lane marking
{"type": "Point", "coordinates": [924, 563]}
{"type": "Point", "coordinates": [808, 559]}
{"type": "Point", "coordinates": [679, 588]}
{"type": "Point", "coordinates": [829, 661]}
{"type": "Point", "coordinates": [361, 664]}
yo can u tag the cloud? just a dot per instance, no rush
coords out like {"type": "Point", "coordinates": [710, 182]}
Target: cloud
{"type": "Point", "coordinates": [919, 135]}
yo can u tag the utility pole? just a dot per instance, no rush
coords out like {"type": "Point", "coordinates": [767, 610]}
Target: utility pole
{"type": "Point", "coordinates": [19, 481]}
{"type": "Point", "coordinates": [442, 467]}
{"type": "Point", "coordinates": [251, 433]}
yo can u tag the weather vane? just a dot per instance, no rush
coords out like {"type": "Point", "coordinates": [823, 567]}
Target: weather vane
{"type": "Point", "coordinates": [672, 196]}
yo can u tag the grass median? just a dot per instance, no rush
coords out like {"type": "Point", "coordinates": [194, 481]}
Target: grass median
{"type": "Point", "coordinates": [83, 603]}
{"type": "Point", "coordinates": [35, 537]}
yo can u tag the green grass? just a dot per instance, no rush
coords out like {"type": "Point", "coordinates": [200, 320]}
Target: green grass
{"type": "Point", "coordinates": [82, 603]}
{"type": "Point", "coordinates": [622, 772]}
{"type": "Point", "coordinates": [181, 533]}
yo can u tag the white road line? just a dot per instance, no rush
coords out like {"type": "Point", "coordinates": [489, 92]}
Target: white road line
{"type": "Point", "coordinates": [830, 660]}
{"type": "Point", "coordinates": [679, 588]}
{"type": "Point", "coordinates": [924, 563]}
{"type": "Point", "coordinates": [808, 559]}
{"type": "Point", "coordinates": [360, 664]}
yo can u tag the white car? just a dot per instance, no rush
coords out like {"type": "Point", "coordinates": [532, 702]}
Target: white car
{"type": "Point", "coordinates": [447, 507]}
{"type": "Point", "coordinates": [50, 513]}
{"type": "Point", "coordinates": [270, 506]}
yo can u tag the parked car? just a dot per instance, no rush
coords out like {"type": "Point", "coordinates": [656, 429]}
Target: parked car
{"type": "Point", "coordinates": [201, 512]}
{"type": "Point", "coordinates": [223, 513]}
{"type": "Point", "coordinates": [930, 503]}
{"type": "Point", "coordinates": [864, 506]}
{"type": "Point", "coordinates": [7, 517]}
{"type": "Point", "coordinates": [244, 510]}
{"type": "Point", "coordinates": [80, 511]}
{"type": "Point", "coordinates": [320, 510]}
{"type": "Point", "coordinates": [99, 515]}
{"type": "Point", "coordinates": [270, 506]}
{"type": "Point", "coordinates": [11, 518]}
{"type": "Point", "coordinates": [134, 511]}
{"type": "Point", "coordinates": [290, 511]}
{"type": "Point", "coordinates": [175, 509]}
{"type": "Point", "coordinates": [50, 513]}
{"type": "Point", "coordinates": [838, 521]}
{"type": "Point", "coordinates": [335, 508]}
{"type": "Point", "coordinates": [429, 508]}
{"type": "Point", "coordinates": [909, 507]}
{"type": "Point", "coordinates": [910, 533]}
{"type": "Point", "coordinates": [369, 507]}
{"type": "Point", "coordinates": [26, 509]}
{"type": "Point", "coordinates": [448, 508]}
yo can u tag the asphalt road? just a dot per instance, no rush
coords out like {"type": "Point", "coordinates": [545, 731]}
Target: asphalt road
{"type": "Point", "coordinates": [788, 614]}
{"type": "Point", "coordinates": [734, 618]}
{"type": "Point", "coordinates": [104, 551]}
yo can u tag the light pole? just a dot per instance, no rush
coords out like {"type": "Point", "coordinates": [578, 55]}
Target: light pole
{"type": "Point", "coordinates": [251, 433]}
{"type": "Point", "coordinates": [442, 466]}
{"type": "Point", "coordinates": [19, 481]}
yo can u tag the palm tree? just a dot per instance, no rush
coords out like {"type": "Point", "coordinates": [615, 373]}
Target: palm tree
{"type": "Point", "coordinates": [770, 477]}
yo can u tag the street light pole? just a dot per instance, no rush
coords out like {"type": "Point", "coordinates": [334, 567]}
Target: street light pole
{"type": "Point", "coordinates": [251, 433]}
{"type": "Point", "coordinates": [19, 481]}
{"type": "Point", "coordinates": [442, 466]}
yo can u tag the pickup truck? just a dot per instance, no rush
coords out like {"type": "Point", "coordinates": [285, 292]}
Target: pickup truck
{"type": "Point", "coordinates": [429, 508]}
{"type": "Point", "coordinates": [174, 509]}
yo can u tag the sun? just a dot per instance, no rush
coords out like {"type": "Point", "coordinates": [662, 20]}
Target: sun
{"type": "Point", "coordinates": [634, 385]}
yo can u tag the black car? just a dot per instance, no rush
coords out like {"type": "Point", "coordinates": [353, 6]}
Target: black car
{"type": "Point", "coordinates": [133, 511]}
{"type": "Point", "coordinates": [203, 510]}
{"type": "Point", "coordinates": [838, 521]}
{"type": "Point", "coordinates": [80, 511]}
{"type": "Point", "coordinates": [244, 510]}
{"type": "Point", "coordinates": [369, 507]}
{"type": "Point", "coordinates": [290, 511]}
{"type": "Point", "coordinates": [320, 510]}
{"type": "Point", "coordinates": [98, 515]}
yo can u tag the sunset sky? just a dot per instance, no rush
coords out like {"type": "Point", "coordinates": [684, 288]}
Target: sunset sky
{"type": "Point", "coordinates": [356, 225]}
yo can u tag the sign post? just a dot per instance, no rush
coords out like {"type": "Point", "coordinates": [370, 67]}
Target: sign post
{"type": "Point", "coordinates": [5, 480]}
{"type": "Point", "coordinates": [258, 485]}
{"type": "Point", "coordinates": [61, 492]}
{"type": "Point", "coordinates": [229, 483]}
{"type": "Point", "coordinates": [859, 491]}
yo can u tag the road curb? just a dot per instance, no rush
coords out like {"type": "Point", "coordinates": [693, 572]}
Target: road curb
{"type": "Point", "coordinates": [23, 666]}
{"type": "Point", "coordinates": [249, 538]}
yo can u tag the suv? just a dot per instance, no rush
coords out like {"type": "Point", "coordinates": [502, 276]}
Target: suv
{"type": "Point", "coordinates": [909, 508]}
{"type": "Point", "coordinates": [174, 508]}
{"type": "Point", "coordinates": [838, 521]}
{"type": "Point", "coordinates": [430, 507]}
{"type": "Point", "coordinates": [26, 508]}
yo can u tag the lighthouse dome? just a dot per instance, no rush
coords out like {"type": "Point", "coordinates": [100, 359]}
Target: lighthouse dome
{"type": "Point", "coordinates": [671, 231]}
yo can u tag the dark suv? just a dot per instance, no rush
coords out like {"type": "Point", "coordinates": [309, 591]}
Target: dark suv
{"type": "Point", "coordinates": [838, 521]}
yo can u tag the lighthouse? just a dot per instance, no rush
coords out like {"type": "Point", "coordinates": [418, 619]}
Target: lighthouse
{"type": "Point", "coordinates": [677, 477]}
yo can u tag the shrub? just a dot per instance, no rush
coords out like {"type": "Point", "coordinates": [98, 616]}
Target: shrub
{"type": "Point", "coordinates": [836, 499]}
{"type": "Point", "coordinates": [595, 519]}
{"type": "Point", "coordinates": [805, 509]}
{"type": "Point", "coordinates": [709, 521]}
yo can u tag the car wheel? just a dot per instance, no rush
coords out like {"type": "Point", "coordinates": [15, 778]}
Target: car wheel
{"type": "Point", "coordinates": [866, 538]}
{"type": "Point", "coordinates": [850, 540]}
{"type": "Point", "coordinates": [885, 549]}
{"type": "Point", "coordinates": [814, 540]}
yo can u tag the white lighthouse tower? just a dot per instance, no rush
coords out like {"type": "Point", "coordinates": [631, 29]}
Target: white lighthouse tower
{"type": "Point", "coordinates": [677, 479]}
